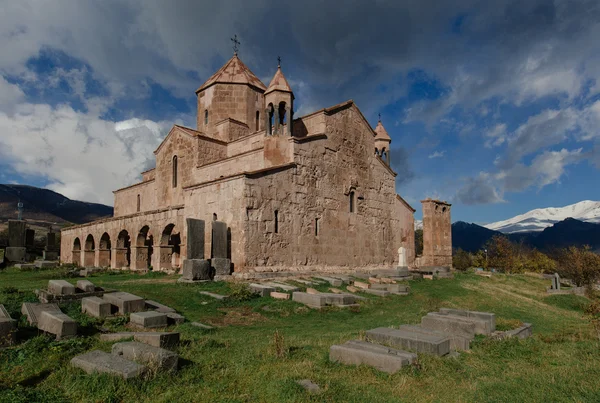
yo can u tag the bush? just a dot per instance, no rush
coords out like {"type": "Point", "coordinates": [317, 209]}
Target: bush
{"type": "Point", "coordinates": [579, 264]}
{"type": "Point", "coordinates": [241, 292]}
{"type": "Point", "coordinates": [461, 260]}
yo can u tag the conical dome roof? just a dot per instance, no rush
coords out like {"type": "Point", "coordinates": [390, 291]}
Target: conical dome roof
{"type": "Point", "coordinates": [381, 133]}
{"type": "Point", "coordinates": [234, 71]}
{"type": "Point", "coordinates": [279, 83]}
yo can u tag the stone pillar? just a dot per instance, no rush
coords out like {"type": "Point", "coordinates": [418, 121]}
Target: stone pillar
{"type": "Point", "coordinates": [102, 258]}
{"type": "Point", "coordinates": [119, 258]}
{"type": "Point", "coordinates": [139, 258]}
{"type": "Point", "coordinates": [165, 256]}
{"type": "Point", "coordinates": [276, 119]}
{"type": "Point", "coordinates": [220, 263]}
{"type": "Point", "coordinates": [16, 233]}
{"type": "Point", "coordinates": [288, 119]}
{"type": "Point", "coordinates": [556, 282]}
{"type": "Point", "coordinates": [437, 234]}
{"type": "Point", "coordinates": [268, 122]}
{"type": "Point", "coordinates": [89, 258]}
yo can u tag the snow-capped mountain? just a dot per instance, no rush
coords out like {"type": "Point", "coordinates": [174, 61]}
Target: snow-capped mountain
{"type": "Point", "coordinates": [538, 219]}
{"type": "Point", "coordinates": [418, 224]}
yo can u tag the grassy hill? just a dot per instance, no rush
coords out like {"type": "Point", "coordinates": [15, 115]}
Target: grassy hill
{"type": "Point", "coordinates": [236, 362]}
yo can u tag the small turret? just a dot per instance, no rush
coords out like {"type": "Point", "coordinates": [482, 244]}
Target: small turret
{"type": "Point", "coordinates": [382, 142]}
{"type": "Point", "coordinates": [279, 104]}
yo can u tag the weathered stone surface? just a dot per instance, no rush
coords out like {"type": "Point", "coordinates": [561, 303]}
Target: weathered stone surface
{"type": "Point", "coordinates": [280, 295]}
{"type": "Point", "coordinates": [383, 358]}
{"type": "Point", "coordinates": [262, 289]}
{"type": "Point", "coordinates": [148, 320]}
{"type": "Point", "coordinates": [125, 302]}
{"type": "Point", "coordinates": [195, 238]}
{"type": "Point", "coordinates": [521, 332]}
{"type": "Point", "coordinates": [45, 264]}
{"type": "Point", "coordinates": [336, 282]}
{"type": "Point", "coordinates": [457, 343]}
{"type": "Point", "coordinates": [410, 340]}
{"type": "Point", "coordinates": [311, 387]}
{"type": "Point", "coordinates": [150, 356]}
{"type": "Point", "coordinates": [323, 299]}
{"type": "Point", "coordinates": [379, 293]}
{"type": "Point", "coordinates": [16, 233]}
{"type": "Point", "coordinates": [486, 316]}
{"type": "Point", "coordinates": [96, 307]}
{"type": "Point", "coordinates": [219, 240]}
{"type": "Point", "coordinates": [336, 290]}
{"type": "Point", "coordinates": [221, 266]}
{"type": "Point", "coordinates": [175, 318]}
{"type": "Point", "coordinates": [34, 310]}
{"type": "Point", "coordinates": [285, 287]}
{"type": "Point", "coordinates": [57, 323]}
{"type": "Point", "coordinates": [50, 256]}
{"type": "Point", "coordinates": [158, 307]}
{"type": "Point", "coordinates": [158, 339]}
{"type": "Point", "coordinates": [25, 266]}
{"type": "Point", "coordinates": [196, 269]}
{"type": "Point", "coordinates": [86, 286]}
{"type": "Point", "coordinates": [101, 362]}
{"type": "Point", "coordinates": [117, 336]}
{"type": "Point", "coordinates": [352, 289]}
{"type": "Point", "coordinates": [60, 287]}
{"type": "Point", "coordinates": [15, 253]}
{"type": "Point", "coordinates": [449, 324]}
{"type": "Point", "coordinates": [437, 234]}
{"type": "Point", "coordinates": [360, 284]}
{"type": "Point", "coordinates": [213, 295]}
{"type": "Point", "coordinates": [393, 288]}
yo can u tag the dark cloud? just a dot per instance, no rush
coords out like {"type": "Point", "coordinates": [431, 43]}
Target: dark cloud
{"type": "Point", "coordinates": [478, 190]}
{"type": "Point", "coordinates": [399, 161]}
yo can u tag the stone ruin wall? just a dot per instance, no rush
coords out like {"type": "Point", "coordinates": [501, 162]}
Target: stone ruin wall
{"type": "Point", "coordinates": [437, 234]}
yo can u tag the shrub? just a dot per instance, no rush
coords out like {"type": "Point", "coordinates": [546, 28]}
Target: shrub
{"type": "Point", "coordinates": [579, 264]}
{"type": "Point", "coordinates": [461, 260]}
{"type": "Point", "coordinates": [241, 292]}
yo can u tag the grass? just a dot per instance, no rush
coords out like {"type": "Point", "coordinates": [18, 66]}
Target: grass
{"type": "Point", "coordinates": [261, 346]}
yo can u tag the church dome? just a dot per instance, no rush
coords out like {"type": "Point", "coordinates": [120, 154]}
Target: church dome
{"type": "Point", "coordinates": [279, 83]}
{"type": "Point", "coordinates": [234, 72]}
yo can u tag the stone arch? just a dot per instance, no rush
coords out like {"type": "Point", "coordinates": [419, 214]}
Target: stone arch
{"type": "Point", "coordinates": [77, 244]}
{"type": "Point", "coordinates": [76, 258]}
{"type": "Point", "coordinates": [169, 248]}
{"type": "Point", "coordinates": [282, 115]}
{"type": "Point", "coordinates": [89, 251]}
{"type": "Point", "coordinates": [143, 249]}
{"type": "Point", "coordinates": [104, 251]}
{"type": "Point", "coordinates": [122, 253]}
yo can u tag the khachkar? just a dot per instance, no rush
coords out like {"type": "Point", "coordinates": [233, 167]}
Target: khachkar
{"type": "Point", "coordinates": [16, 250]}
{"type": "Point", "coordinates": [51, 250]}
{"type": "Point", "coordinates": [437, 235]}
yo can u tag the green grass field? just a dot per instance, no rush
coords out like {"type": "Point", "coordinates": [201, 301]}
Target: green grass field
{"type": "Point", "coordinates": [238, 361]}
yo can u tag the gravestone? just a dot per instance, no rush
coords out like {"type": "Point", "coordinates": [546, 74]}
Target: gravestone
{"type": "Point", "coordinates": [195, 267]}
{"type": "Point", "coordinates": [220, 263]}
{"type": "Point", "coordinates": [556, 282]}
{"type": "Point", "coordinates": [16, 233]}
{"type": "Point", "coordinates": [50, 250]}
{"type": "Point", "coordinates": [29, 238]}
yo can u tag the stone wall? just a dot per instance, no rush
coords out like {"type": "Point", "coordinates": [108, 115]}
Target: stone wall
{"type": "Point", "coordinates": [126, 199]}
{"type": "Point", "coordinates": [437, 234]}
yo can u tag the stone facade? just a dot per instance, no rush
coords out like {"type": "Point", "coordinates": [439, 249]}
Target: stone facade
{"type": "Point", "coordinates": [437, 234]}
{"type": "Point", "coordinates": [308, 193]}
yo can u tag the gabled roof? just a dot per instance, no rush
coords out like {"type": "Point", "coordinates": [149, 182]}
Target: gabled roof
{"type": "Point", "coordinates": [189, 132]}
{"type": "Point", "coordinates": [279, 83]}
{"type": "Point", "coordinates": [381, 133]}
{"type": "Point", "coordinates": [236, 72]}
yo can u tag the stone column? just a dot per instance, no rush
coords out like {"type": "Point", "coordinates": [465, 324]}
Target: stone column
{"type": "Point", "coordinates": [89, 258]}
{"type": "Point", "coordinates": [276, 131]}
{"type": "Point", "coordinates": [268, 122]}
{"type": "Point", "coordinates": [288, 119]}
{"type": "Point", "coordinates": [102, 258]}
{"type": "Point", "coordinates": [139, 258]}
{"type": "Point", "coordinates": [119, 258]}
{"type": "Point", "coordinates": [165, 256]}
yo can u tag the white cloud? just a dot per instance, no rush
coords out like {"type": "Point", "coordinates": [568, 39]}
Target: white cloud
{"type": "Point", "coordinates": [10, 94]}
{"type": "Point", "coordinates": [437, 154]}
{"type": "Point", "coordinates": [479, 190]}
{"type": "Point", "coordinates": [496, 135]}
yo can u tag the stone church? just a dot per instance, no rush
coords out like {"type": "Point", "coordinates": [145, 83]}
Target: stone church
{"type": "Point", "coordinates": [297, 193]}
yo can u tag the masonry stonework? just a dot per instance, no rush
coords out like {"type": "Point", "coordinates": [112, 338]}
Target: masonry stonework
{"type": "Point", "coordinates": [437, 234]}
{"type": "Point", "coordinates": [309, 193]}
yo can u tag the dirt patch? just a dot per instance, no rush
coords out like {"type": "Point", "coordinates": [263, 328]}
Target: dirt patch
{"type": "Point", "coordinates": [239, 316]}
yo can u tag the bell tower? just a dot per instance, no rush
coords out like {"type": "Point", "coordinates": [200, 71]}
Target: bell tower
{"type": "Point", "coordinates": [279, 104]}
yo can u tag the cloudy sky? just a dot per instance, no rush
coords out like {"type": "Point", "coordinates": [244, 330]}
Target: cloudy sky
{"type": "Point", "coordinates": [493, 106]}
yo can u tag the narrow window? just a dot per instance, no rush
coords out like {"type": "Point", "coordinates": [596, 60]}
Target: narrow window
{"type": "Point", "coordinates": [214, 216]}
{"type": "Point", "coordinates": [206, 116]}
{"type": "Point", "coordinates": [257, 119]}
{"type": "Point", "coordinates": [174, 171]}
{"type": "Point", "coordinates": [352, 201]}
{"type": "Point", "coordinates": [276, 221]}
{"type": "Point", "coordinates": [316, 227]}
{"type": "Point", "coordinates": [138, 203]}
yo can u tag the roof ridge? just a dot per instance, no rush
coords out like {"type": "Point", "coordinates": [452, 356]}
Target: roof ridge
{"type": "Point", "coordinates": [236, 72]}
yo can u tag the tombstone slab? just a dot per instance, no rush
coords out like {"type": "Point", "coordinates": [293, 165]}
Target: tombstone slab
{"type": "Point", "coordinates": [487, 316]}
{"type": "Point", "coordinates": [221, 266]}
{"type": "Point", "coordinates": [196, 270]}
{"type": "Point", "coordinates": [379, 293]}
{"type": "Point", "coordinates": [360, 284]}
{"type": "Point", "coordinates": [219, 240]}
{"type": "Point", "coordinates": [125, 302]}
{"type": "Point", "coordinates": [457, 343]}
{"type": "Point", "coordinates": [158, 339]}
{"type": "Point", "coordinates": [96, 307]}
{"type": "Point", "coordinates": [101, 362]}
{"type": "Point", "coordinates": [383, 358]}
{"type": "Point", "coordinates": [336, 282]}
{"type": "Point", "coordinates": [521, 332]}
{"type": "Point", "coordinates": [16, 233]}
{"type": "Point", "coordinates": [150, 356]}
{"type": "Point", "coordinates": [45, 264]}
{"type": "Point", "coordinates": [148, 319]}
{"type": "Point", "coordinates": [58, 324]}
{"type": "Point", "coordinates": [173, 318]}
{"type": "Point", "coordinates": [481, 326]}
{"type": "Point", "coordinates": [448, 324]}
{"type": "Point", "coordinates": [323, 299]}
{"type": "Point", "coordinates": [410, 340]}
{"type": "Point", "coordinates": [261, 289]}
{"type": "Point", "coordinates": [213, 295]}
{"type": "Point", "coordinates": [60, 287]}
{"type": "Point", "coordinates": [285, 287]}
{"type": "Point", "coordinates": [15, 253]}
{"type": "Point", "coordinates": [33, 311]}
{"type": "Point", "coordinates": [195, 238]}
{"type": "Point", "coordinates": [280, 295]}
{"type": "Point", "coordinates": [25, 266]}
{"type": "Point", "coordinates": [158, 307]}
{"type": "Point", "coordinates": [86, 286]}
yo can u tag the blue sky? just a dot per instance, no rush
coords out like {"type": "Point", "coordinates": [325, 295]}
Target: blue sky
{"type": "Point", "coordinates": [494, 109]}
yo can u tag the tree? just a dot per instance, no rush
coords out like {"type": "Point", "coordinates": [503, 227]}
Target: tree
{"type": "Point", "coordinates": [538, 262]}
{"type": "Point", "coordinates": [461, 260]}
{"type": "Point", "coordinates": [579, 264]}
{"type": "Point", "coordinates": [501, 253]}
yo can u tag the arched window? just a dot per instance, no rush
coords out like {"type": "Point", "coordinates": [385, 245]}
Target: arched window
{"type": "Point", "coordinates": [174, 171]}
{"type": "Point", "coordinates": [257, 120]}
{"type": "Point", "coordinates": [271, 118]}
{"type": "Point", "coordinates": [352, 201]}
{"type": "Point", "coordinates": [282, 119]}
{"type": "Point", "coordinates": [214, 216]}
{"type": "Point", "coordinates": [138, 203]}
{"type": "Point", "coordinates": [276, 221]}
{"type": "Point", "coordinates": [206, 116]}
{"type": "Point", "coordinates": [316, 227]}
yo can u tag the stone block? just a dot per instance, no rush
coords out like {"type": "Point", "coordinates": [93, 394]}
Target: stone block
{"type": "Point", "coordinates": [360, 284]}
{"type": "Point", "coordinates": [195, 238]}
{"type": "Point", "coordinates": [410, 340]}
{"type": "Point", "coordinates": [158, 307]}
{"type": "Point", "coordinates": [196, 269]}
{"type": "Point", "coordinates": [263, 290]}
{"type": "Point", "coordinates": [457, 343]}
{"type": "Point", "coordinates": [336, 291]}
{"type": "Point", "coordinates": [219, 240]}
{"type": "Point", "coordinates": [323, 299]}
{"type": "Point", "coordinates": [60, 287]}
{"type": "Point", "coordinates": [150, 356]}
{"type": "Point", "coordinates": [8, 331]}
{"type": "Point", "coordinates": [383, 358]}
{"type": "Point", "coordinates": [45, 264]}
{"type": "Point", "coordinates": [280, 295]}
{"type": "Point", "coordinates": [481, 326]}
{"type": "Point", "coordinates": [25, 266]}
{"type": "Point", "coordinates": [101, 362]}
{"type": "Point", "coordinates": [213, 295]}
{"type": "Point", "coordinates": [374, 280]}
{"type": "Point", "coordinates": [174, 318]}
{"type": "Point", "coordinates": [96, 307]}
{"type": "Point", "coordinates": [336, 282]}
{"type": "Point", "coordinates": [379, 293]}
{"type": "Point", "coordinates": [148, 320]}
{"type": "Point", "coordinates": [521, 332]}
{"type": "Point", "coordinates": [15, 254]}
{"type": "Point", "coordinates": [57, 323]}
{"type": "Point", "coordinates": [50, 255]}
{"type": "Point", "coordinates": [221, 266]}
{"type": "Point", "coordinates": [312, 291]}
{"type": "Point", "coordinates": [4, 312]}
{"type": "Point", "coordinates": [158, 339]}
{"type": "Point", "coordinates": [125, 302]}
{"type": "Point", "coordinates": [86, 286]}
{"type": "Point", "coordinates": [487, 316]}
{"type": "Point", "coordinates": [285, 287]}
{"type": "Point", "coordinates": [352, 289]}
{"type": "Point", "coordinates": [33, 311]}
{"type": "Point", "coordinates": [112, 337]}
{"type": "Point", "coordinates": [16, 233]}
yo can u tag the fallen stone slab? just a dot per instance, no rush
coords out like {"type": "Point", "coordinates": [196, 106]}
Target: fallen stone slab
{"type": "Point", "coordinates": [261, 289]}
{"type": "Point", "coordinates": [352, 289]}
{"type": "Point", "coordinates": [202, 325]}
{"type": "Point", "coordinates": [428, 276]}
{"type": "Point", "coordinates": [379, 293]}
{"type": "Point", "coordinates": [312, 291]}
{"type": "Point", "coordinates": [149, 319]}
{"type": "Point", "coordinates": [285, 287]}
{"type": "Point", "coordinates": [33, 311]}
{"type": "Point", "coordinates": [96, 307]}
{"type": "Point", "coordinates": [345, 278]}
{"type": "Point", "coordinates": [158, 339]}
{"type": "Point", "coordinates": [487, 316]}
{"type": "Point", "coordinates": [117, 336]}
{"type": "Point", "coordinates": [213, 295]}
{"type": "Point", "coordinates": [374, 280]}
{"type": "Point", "coordinates": [357, 352]}
{"type": "Point", "coordinates": [60, 287]}
{"type": "Point", "coordinates": [125, 302]}
{"type": "Point", "coordinates": [280, 295]}
{"type": "Point", "coordinates": [175, 318]}
{"type": "Point", "coordinates": [25, 266]}
{"type": "Point", "coordinates": [306, 282]}
{"type": "Point", "coordinates": [4, 313]}
{"type": "Point", "coordinates": [457, 343]}
{"type": "Point", "coordinates": [410, 340]}
{"type": "Point", "coordinates": [158, 307]}
{"type": "Point", "coordinates": [521, 332]}
{"type": "Point", "coordinates": [360, 284]}
{"type": "Point", "coordinates": [58, 324]}
{"type": "Point", "coordinates": [481, 326]}
{"type": "Point", "coordinates": [308, 385]}
{"type": "Point", "coordinates": [101, 362]}
{"type": "Point", "coordinates": [336, 282]}
{"type": "Point", "coordinates": [150, 356]}
{"type": "Point", "coordinates": [324, 299]}
{"type": "Point", "coordinates": [449, 324]}
{"type": "Point", "coordinates": [86, 286]}
{"type": "Point", "coordinates": [336, 291]}
{"type": "Point", "coordinates": [393, 288]}
{"type": "Point", "coordinates": [46, 264]}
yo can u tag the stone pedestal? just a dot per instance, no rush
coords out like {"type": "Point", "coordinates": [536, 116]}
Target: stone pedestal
{"type": "Point", "coordinates": [89, 258]}
{"type": "Point", "coordinates": [196, 270]}
{"type": "Point", "coordinates": [50, 255]}
{"type": "Point", "coordinates": [221, 266]}
{"type": "Point", "coordinates": [15, 254]}
{"type": "Point", "coordinates": [102, 258]}
{"type": "Point", "coordinates": [139, 258]}
{"type": "Point", "coordinates": [119, 258]}
{"type": "Point", "coordinates": [165, 256]}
